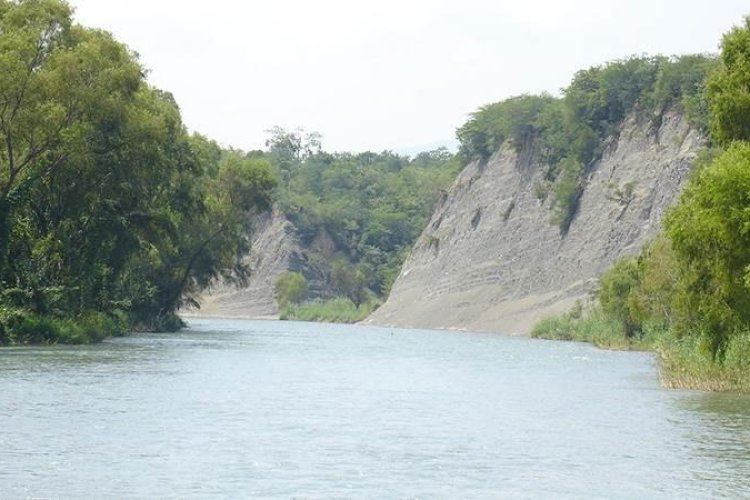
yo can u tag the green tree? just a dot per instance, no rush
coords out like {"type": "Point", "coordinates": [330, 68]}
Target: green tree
{"type": "Point", "coordinates": [289, 149]}
{"type": "Point", "coordinates": [290, 288]}
{"type": "Point", "coordinates": [57, 81]}
{"type": "Point", "coordinates": [107, 206]}
{"type": "Point", "coordinates": [616, 293]}
{"type": "Point", "coordinates": [709, 233]}
{"type": "Point", "coordinates": [359, 214]}
{"type": "Point", "coordinates": [728, 88]}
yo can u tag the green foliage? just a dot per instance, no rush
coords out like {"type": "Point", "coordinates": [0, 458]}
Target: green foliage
{"type": "Point", "coordinates": [568, 190]}
{"type": "Point", "coordinates": [359, 214]}
{"type": "Point", "coordinates": [518, 120]}
{"type": "Point", "coordinates": [335, 310]}
{"type": "Point", "coordinates": [288, 149]}
{"type": "Point", "coordinates": [290, 288]}
{"type": "Point", "coordinates": [685, 364]}
{"type": "Point", "coordinates": [18, 326]}
{"type": "Point", "coordinates": [616, 289]}
{"type": "Point", "coordinates": [106, 203]}
{"type": "Point", "coordinates": [687, 295]}
{"type": "Point", "coordinates": [709, 233]}
{"type": "Point", "coordinates": [597, 327]}
{"type": "Point", "coordinates": [568, 134]}
{"type": "Point", "coordinates": [650, 300]}
{"type": "Point", "coordinates": [682, 83]}
{"type": "Point", "coordinates": [247, 182]}
{"type": "Point", "coordinates": [728, 89]}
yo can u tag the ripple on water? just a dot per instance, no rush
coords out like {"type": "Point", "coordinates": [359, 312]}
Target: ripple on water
{"type": "Point", "coordinates": [240, 408]}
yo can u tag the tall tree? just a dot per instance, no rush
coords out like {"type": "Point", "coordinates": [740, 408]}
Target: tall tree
{"type": "Point", "coordinates": [728, 88]}
{"type": "Point", "coordinates": [106, 203]}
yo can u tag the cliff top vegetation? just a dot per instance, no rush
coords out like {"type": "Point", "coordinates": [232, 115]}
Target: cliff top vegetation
{"type": "Point", "coordinates": [567, 134]}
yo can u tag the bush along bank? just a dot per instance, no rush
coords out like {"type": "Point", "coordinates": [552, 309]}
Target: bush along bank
{"type": "Point", "coordinates": [687, 295]}
{"type": "Point", "coordinates": [335, 310]}
{"type": "Point", "coordinates": [684, 362]}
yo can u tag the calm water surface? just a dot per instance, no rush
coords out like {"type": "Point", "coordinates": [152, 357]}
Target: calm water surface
{"type": "Point", "coordinates": [238, 409]}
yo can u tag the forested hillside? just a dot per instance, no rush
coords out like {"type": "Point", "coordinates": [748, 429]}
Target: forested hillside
{"type": "Point", "coordinates": [357, 215]}
{"type": "Point", "coordinates": [111, 214]}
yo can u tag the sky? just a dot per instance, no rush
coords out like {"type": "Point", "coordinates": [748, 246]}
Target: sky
{"type": "Point", "coordinates": [397, 75]}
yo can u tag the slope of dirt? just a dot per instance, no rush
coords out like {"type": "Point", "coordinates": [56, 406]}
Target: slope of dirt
{"type": "Point", "coordinates": [491, 260]}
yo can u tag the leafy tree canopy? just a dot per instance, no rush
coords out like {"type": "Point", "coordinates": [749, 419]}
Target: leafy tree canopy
{"type": "Point", "coordinates": [108, 208]}
{"type": "Point", "coordinates": [729, 88]}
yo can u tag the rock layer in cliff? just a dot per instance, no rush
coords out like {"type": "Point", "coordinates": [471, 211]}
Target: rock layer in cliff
{"type": "Point", "coordinates": [275, 249]}
{"type": "Point", "coordinates": [491, 260]}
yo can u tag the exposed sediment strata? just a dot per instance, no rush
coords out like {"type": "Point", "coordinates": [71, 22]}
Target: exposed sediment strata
{"type": "Point", "coordinates": [491, 260]}
{"type": "Point", "coordinates": [275, 249]}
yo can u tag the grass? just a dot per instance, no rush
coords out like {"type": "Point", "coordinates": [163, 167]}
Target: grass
{"type": "Point", "coordinates": [336, 310]}
{"type": "Point", "coordinates": [684, 363]}
{"type": "Point", "coordinates": [687, 364]}
{"type": "Point", "coordinates": [18, 326]}
{"type": "Point", "coordinates": [595, 328]}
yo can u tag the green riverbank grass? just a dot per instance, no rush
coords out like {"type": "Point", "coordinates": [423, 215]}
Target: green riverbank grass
{"type": "Point", "coordinates": [684, 363]}
{"type": "Point", "coordinates": [597, 328]}
{"type": "Point", "coordinates": [687, 364]}
{"type": "Point", "coordinates": [336, 310]}
{"type": "Point", "coordinates": [21, 327]}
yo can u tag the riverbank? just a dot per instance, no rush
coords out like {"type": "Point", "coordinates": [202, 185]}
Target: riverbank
{"type": "Point", "coordinates": [21, 327]}
{"type": "Point", "coordinates": [335, 310]}
{"type": "Point", "coordinates": [684, 363]}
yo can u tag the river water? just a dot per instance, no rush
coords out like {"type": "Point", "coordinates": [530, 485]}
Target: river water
{"type": "Point", "coordinates": [239, 409]}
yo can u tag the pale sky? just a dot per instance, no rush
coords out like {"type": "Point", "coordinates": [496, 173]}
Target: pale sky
{"type": "Point", "coordinates": [400, 75]}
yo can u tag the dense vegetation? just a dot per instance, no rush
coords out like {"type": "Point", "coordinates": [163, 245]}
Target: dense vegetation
{"type": "Point", "coordinates": [566, 135]}
{"type": "Point", "coordinates": [356, 214]}
{"type": "Point", "coordinates": [111, 215]}
{"type": "Point", "coordinates": [688, 294]}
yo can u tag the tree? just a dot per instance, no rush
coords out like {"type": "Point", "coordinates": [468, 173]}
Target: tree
{"type": "Point", "coordinates": [290, 148]}
{"type": "Point", "coordinates": [709, 232]}
{"type": "Point", "coordinates": [728, 88]}
{"type": "Point", "coordinates": [57, 83]}
{"type": "Point", "coordinates": [106, 204]}
{"type": "Point", "coordinates": [616, 293]}
{"type": "Point", "coordinates": [349, 281]}
{"type": "Point", "coordinates": [209, 227]}
{"type": "Point", "coordinates": [290, 288]}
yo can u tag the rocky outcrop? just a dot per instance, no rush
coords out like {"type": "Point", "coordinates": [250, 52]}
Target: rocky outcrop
{"type": "Point", "coordinates": [491, 260]}
{"type": "Point", "coordinates": [275, 249]}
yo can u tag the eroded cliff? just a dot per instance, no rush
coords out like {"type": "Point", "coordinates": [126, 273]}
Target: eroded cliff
{"type": "Point", "coordinates": [491, 260]}
{"type": "Point", "coordinates": [275, 249]}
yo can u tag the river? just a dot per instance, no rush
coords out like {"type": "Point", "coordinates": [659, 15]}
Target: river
{"type": "Point", "coordinates": [238, 409]}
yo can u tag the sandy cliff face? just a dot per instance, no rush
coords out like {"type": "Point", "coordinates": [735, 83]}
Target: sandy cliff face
{"type": "Point", "coordinates": [275, 249]}
{"type": "Point", "coordinates": [490, 259]}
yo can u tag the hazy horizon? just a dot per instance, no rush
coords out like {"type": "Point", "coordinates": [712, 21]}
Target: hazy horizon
{"type": "Point", "coordinates": [390, 75]}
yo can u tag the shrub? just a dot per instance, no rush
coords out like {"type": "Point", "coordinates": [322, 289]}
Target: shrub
{"type": "Point", "coordinates": [597, 327]}
{"type": "Point", "coordinates": [336, 310]}
{"type": "Point", "coordinates": [290, 288]}
{"type": "Point", "coordinates": [19, 326]}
